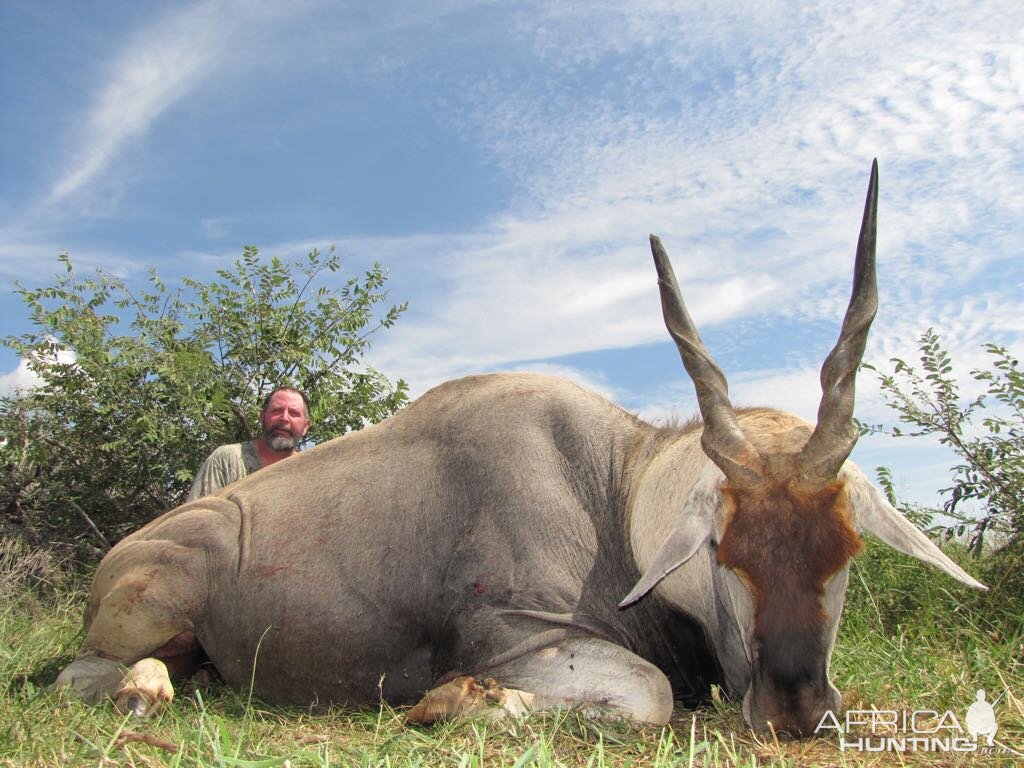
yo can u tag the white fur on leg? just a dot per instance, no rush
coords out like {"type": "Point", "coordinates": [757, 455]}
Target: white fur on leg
{"type": "Point", "coordinates": [145, 690]}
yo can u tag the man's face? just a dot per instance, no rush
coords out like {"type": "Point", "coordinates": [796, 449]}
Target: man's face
{"type": "Point", "coordinates": [284, 421]}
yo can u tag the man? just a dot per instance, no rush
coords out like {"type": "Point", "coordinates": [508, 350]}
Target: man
{"type": "Point", "coordinates": [284, 421]}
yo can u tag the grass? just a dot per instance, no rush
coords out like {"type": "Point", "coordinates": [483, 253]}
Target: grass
{"type": "Point", "coordinates": [910, 640]}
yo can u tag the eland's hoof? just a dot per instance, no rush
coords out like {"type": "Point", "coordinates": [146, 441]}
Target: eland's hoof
{"type": "Point", "coordinates": [91, 677]}
{"type": "Point", "coordinates": [467, 696]}
{"type": "Point", "coordinates": [145, 690]}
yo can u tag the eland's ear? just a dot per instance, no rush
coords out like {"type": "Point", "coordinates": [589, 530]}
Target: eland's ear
{"type": "Point", "coordinates": [679, 547]}
{"type": "Point", "coordinates": [875, 515]}
{"type": "Point", "coordinates": [695, 528]}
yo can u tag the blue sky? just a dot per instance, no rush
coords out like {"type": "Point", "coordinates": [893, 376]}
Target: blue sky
{"type": "Point", "coordinates": [507, 160]}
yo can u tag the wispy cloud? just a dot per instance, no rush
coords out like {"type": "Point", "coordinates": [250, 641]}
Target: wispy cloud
{"type": "Point", "coordinates": [743, 137]}
{"type": "Point", "coordinates": [755, 176]}
{"type": "Point", "coordinates": [154, 70]}
{"type": "Point", "coordinates": [216, 227]}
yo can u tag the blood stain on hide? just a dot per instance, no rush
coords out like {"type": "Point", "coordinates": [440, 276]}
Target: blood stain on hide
{"type": "Point", "coordinates": [269, 571]}
{"type": "Point", "coordinates": [478, 589]}
{"type": "Point", "coordinates": [138, 591]}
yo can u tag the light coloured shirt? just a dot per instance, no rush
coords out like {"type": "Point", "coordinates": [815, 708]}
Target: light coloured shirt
{"type": "Point", "coordinates": [223, 467]}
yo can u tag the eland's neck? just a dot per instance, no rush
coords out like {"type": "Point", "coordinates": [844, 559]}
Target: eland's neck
{"type": "Point", "coordinates": [674, 484]}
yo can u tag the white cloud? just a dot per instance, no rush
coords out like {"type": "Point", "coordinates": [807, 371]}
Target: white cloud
{"type": "Point", "coordinates": [20, 379]}
{"type": "Point", "coordinates": [25, 376]}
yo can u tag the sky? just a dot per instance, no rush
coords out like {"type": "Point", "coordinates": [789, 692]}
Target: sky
{"type": "Point", "coordinates": [506, 162]}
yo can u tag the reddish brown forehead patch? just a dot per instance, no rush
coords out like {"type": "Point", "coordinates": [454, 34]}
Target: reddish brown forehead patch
{"type": "Point", "coordinates": [786, 543]}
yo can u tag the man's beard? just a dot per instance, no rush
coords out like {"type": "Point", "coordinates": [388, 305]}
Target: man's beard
{"type": "Point", "coordinates": [281, 440]}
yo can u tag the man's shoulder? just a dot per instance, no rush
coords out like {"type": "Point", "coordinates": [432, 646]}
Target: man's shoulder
{"type": "Point", "coordinates": [228, 451]}
{"type": "Point", "coordinates": [226, 464]}
{"type": "Point", "coordinates": [240, 457]}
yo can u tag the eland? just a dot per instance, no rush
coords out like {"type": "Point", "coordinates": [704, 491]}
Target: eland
{"type": "Point", "coordinates": [513, 542]}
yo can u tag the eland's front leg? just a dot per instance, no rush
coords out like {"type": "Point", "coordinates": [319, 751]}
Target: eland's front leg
{"type": "Point", "coordinates": [140, 620]}
{"type": "Point", "coordinates": [594, 675]}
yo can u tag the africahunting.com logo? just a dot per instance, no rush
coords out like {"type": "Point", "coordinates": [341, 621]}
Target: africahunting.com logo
{"type": "Point", "coordinates": [919, 730]}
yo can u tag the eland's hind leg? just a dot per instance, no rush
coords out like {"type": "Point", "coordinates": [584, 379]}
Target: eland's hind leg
{"type": "Point", "coordinates": [146, 599]}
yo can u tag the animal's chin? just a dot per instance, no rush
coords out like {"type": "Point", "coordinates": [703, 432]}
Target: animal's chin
{"type": "Point", "coordinates": [789, 725]}
{"type": "Point", "coordinates": [790, 732]}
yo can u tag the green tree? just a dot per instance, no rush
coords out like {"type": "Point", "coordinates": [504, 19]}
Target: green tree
{"type": "Point", "coordinates": [123, 416]}
{"type": "Point", "coordinates": [990, 467]}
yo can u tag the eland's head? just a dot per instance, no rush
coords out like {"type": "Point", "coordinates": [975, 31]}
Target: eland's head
{"type": "Point", "coordinates": [785, 513]}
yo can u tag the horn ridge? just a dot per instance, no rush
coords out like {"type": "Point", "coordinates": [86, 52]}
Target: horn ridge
{"type": "Point", "coordinates": [835, 434]}
{"type": "Point", "coordinates": [722, 439]}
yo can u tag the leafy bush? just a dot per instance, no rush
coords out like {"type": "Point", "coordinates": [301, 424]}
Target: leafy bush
{"type": "Point", "coordinates": [122, 418]}
{"type": "Point", "coordinates": [991, 455]}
